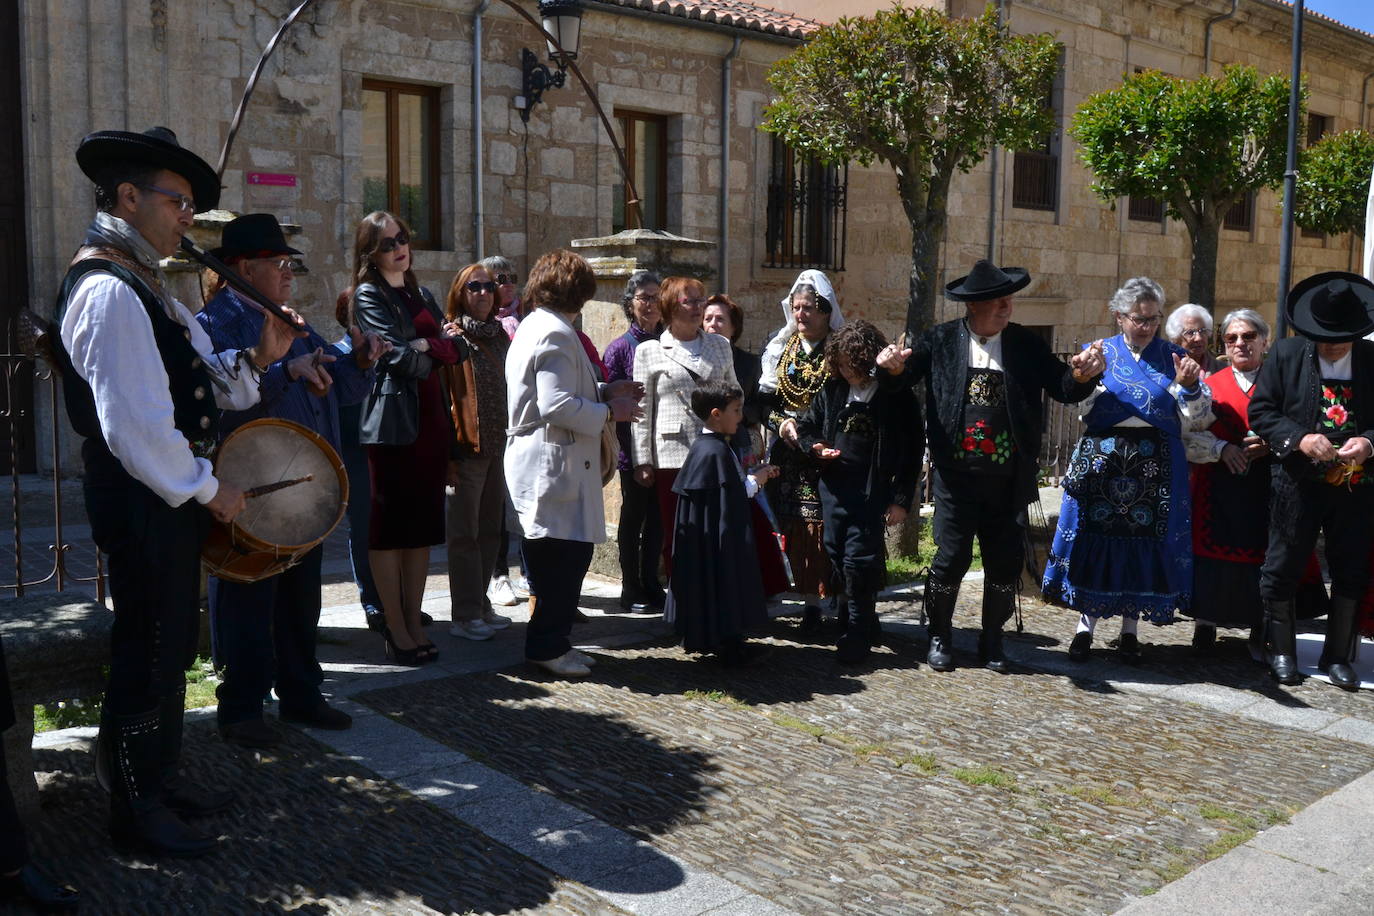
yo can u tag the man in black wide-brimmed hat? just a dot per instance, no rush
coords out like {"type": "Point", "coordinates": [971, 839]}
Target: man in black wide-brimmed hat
{"type": "Point", "coordinates": [144, 387]}
{"type": "Point", "coordinates": [1314, 405]}
{"type": "Point", "coordinates": [984, 381]}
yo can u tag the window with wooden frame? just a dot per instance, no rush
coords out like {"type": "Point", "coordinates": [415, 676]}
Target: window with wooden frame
{"type": "Point", "coordinates": [807, 211]}
{"type": "Point", "coordinates": [1035, 170]}
{"type": "Point", "coordinates": [1241, 216]}
{"type": "Point", "coordinates": [645, 139]}
{"type": "Point", "coordinates": [401, 156]}
{"type": "Point", "coordinates": [1317, 127]}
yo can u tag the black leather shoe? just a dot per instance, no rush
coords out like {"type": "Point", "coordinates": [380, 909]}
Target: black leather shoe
{"type": "Point", "coordinates": [426, 620]}
{"type": "Point", "coordinates": [743, 652]}
{"type": "Point", "coordinates": [940, 657]}
{"type": "Point", "coordinates": [376, 620]}
{"type": "Point", "coordinates": [1204, 639]}
{"type": "Point", "coordinates": [250, 733]}
{"type": "Point", "coordinates": [158, 831]}
{"type": "Point", "coordinates": [990, 652]}
{"type": "Point", "coordinates": [1343, 676]}
{"type": "Point", "coordinates": [1284, 668]}
{"type": "Point", "coordinates": [190, 800]}
{"type": "Point", "coordinates": [852, 649]}
{"type": "Point", "coordinates": [322, 715]}
{"type": "Point", "coordinates": [812, 619]}
{"type": "Point", "coordinates": [1128, 649]}
{"type": "Point", "coordinates": [1080, 649]}
{"type": "Point", "coordinates": [30, 887]}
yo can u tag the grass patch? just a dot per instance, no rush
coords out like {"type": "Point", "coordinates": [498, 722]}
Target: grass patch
{"type": "Point", "coordinates": [984, 776]}
{"type": "Point", "coordinates": [1097, 795]}
{"type": "Point", "coordinates": [858, 746]}
{"type": "Point", "coordinates": [923, 762]}
{"type": "Point", "coordinates": [200, 691]}
{"type": "Point", "coordinates": [907, 568]}
{"type": "Point", "coordinates": [1234, 818]}
{"type": "Point", "coordinates": [1227, 842]}
{"type": "Point", "coordinates": [715, 696]}
{"type": "Point", "coordinates": [1273, 817]}
{"type": "Point", "coordinates": [792, 722]}
{"type": "Point", "coordinates": [1174, 870]}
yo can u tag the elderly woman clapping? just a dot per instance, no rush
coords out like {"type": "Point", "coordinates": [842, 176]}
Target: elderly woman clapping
{"type": "Point", "coordinates": [1190, 326]}
{"type": "Point", "coordinates": [1230, 491]}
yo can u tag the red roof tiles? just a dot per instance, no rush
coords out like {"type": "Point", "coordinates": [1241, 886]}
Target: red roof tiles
{"type": "Point", "coordinates": [732, 13]}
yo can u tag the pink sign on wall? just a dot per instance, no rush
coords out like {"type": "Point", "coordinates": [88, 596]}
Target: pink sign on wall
{"type": "Point", "coordinates": [272, 179]}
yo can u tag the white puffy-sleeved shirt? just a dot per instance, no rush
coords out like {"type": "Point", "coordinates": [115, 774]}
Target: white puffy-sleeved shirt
{"type": "Point", "coordinates": [109, 336]}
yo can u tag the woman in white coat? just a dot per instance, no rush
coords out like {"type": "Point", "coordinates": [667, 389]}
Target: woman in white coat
{"type": "Point", "coordinates": [557, 410]}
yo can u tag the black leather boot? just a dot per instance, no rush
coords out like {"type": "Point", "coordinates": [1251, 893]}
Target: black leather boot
{"type": "Point", "coordinates": [1342, 643]}
{"type": "Point", "coordinates": [30, 887]}
{"type": "Point", "coordinates": [139, 817]}
{"type": "Point", "coordinates": [860, 615]}
{"type": "Point", "coordinates": [940, 598]}
{"type": "Point", "coordinates": [180, 794]}
{"type": "Point", "coordinates": [999, 599]}
{"type": "Point", "coordinates": [1282, 641]}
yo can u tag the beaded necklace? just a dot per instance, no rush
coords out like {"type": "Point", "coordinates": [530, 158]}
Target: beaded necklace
{"type": "Point", "coordinates": [800, 376]}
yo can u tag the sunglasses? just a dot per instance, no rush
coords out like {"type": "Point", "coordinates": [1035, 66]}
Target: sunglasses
{"type": "Point", "coordinates": [1246, 336]}
{"type": "Point", "coordinates": [480, 286]}
{"type": "Point", "coordinates": [390, 243]}
{"type": "Point", "coordinates": [503, 279]}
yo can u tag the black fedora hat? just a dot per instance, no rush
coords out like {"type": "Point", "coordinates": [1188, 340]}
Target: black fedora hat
{"type": "Point", "coordinates": [988, 281]}
{"type": "Point", "coordinates": [253, 234]}
{"type": "Point", "coordinates": [1332, 307]}
{"type": "Point", "coordinates": [156, 146]}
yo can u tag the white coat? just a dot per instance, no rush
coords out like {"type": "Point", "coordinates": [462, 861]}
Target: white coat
{"type": "Point", "coordinates": [553, 440]}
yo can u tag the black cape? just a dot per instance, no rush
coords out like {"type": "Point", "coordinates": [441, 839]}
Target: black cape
{"type": "Point", "coordinates": [716, 593]}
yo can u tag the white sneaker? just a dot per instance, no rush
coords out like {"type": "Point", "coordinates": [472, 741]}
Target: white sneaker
{"type": "Point", "coordinates": [584, 658]}
{"type": "Point", "coordinates": [520, 586]}
{"type": "Point", "coordinates": [500, 592]}
{"type": "Point", "coordinates": [565, 665]}
{"type": "Point", "coordinates": [496, 621]}
{"type": "Point", "coordinates": [471, 629]}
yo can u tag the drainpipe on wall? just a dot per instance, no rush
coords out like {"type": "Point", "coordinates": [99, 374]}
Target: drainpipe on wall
{"type": "Point", "coordinates": [1207, 40]}
{"type": "Point", "coordinates": [727, 67]}
{"type": "Point", "coordinates": [992, 180]}
{"type": "Point", "coordinates": [1351, 266]}
{"type": "Point", "coordinates": [478, 213]}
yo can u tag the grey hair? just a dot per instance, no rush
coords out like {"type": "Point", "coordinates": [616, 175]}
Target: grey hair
{"type": "Point", "coordinates": [497, 265]}
{"type": "Point", "coordinates": [806, 289]}
{"type": "Point", "coordinates": [637, 281]}
{"type": "Point", "coordinates": [1255, 319]}
{"type": "Point", "coordinates": [1134, 290]}
{"type": "Point", "coordinates": [1173, 328]}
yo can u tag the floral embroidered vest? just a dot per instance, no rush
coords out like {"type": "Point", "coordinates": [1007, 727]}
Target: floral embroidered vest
{"type": "Point", "coordinates": [986, 446]}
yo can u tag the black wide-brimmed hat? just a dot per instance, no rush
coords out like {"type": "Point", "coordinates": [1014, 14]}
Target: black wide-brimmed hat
{"type": "Point", "coordinates": [252, 235]}
{"type": "Point", "coordinates": [1332, 307]}
{"type": "Point", "coordinates": [156, 146]}
{"type": "Point", "coordinates": [988, 281]}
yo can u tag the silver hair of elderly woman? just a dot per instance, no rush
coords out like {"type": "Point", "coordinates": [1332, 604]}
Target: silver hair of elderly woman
{"type": "Point", "coordinates": [497, 265]}
{"type": "Point", "coordinates": [1173, 328]}
{"type": "Point", "coordinates": [1135, 290]}
{"type": "Point", "coordinates": [1254, 318]}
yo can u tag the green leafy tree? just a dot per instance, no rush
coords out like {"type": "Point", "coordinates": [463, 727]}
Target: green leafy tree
{"type": "Point", "coordinates": [1201, 145]}
{"type": "Point", "coordinates": [1333, 183]}
{"type": "Point", "coordinates": [926, 94]}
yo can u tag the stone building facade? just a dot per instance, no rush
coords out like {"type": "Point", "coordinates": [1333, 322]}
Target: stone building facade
{"type": "Point", "coordinates": [308, 148]}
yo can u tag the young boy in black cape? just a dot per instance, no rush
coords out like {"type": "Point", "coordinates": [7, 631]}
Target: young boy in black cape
{"type": "Point", "coordinates": [716, 592]}
{"type": "Point", "coordinates": [869, 436]}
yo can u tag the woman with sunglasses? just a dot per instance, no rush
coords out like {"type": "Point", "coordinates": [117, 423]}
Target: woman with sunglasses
{"type": "Point", "coordinates": [406, 428]}
{"type": "Point", "coordinates": [1123, 546]}
{"type": "Point", "coordinates": [477, 404]}
{"type": "Point", "coordinates": [1230, 491]}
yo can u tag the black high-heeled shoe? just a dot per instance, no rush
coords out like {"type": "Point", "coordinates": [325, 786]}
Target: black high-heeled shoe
{"type": "Point", "coordinates": [410, 658]}
{"type": "Point", "coordinates": [429, 652]}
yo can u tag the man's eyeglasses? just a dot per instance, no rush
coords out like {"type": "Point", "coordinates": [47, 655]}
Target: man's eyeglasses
{"type": "Point", "coordinates": [503, 279]}
{"type": "Point", "coordinates": [480, 286]}
{"type": "Point", "coordinates": [390, 243]}
{"type": "Point", "coordinates": [282, 264]}
{"type": "Point", "coordinates": [184, 203]}
{"type": "Point", "coordinates": [1246, 336]}
{"type": "Point", "coordinates": [1143, 321]}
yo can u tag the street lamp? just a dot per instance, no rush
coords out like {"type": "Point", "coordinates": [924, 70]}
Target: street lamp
{"type": "Point", "coordinates": [563, 20]}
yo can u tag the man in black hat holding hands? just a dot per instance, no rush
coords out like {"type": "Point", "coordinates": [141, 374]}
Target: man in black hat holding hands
{"type": "Point", "coordinates": [984, 380]}
{"type": "Point", "coordinates": [1314, 405]}
{"type": "Point", "coordinates": [144, 387]}
{"type": "Point", "coordinates": [265, 631]}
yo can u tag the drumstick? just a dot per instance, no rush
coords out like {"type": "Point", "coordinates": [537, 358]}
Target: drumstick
{"type": "Point", "coordinates": [274, 487]}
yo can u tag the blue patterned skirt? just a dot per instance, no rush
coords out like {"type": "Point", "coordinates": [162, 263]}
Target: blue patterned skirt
{"type": "Point", "coordinates": [1124, 543]}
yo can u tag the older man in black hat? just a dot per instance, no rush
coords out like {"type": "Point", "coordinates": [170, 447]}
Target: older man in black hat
{"type": "Point", "coordinates": [984, 379]}
{"type": "Point", "coordinates": [143, 386]}
{"type": "Point", "coordinates": [1314, 404]}
{"type": "Point", "coordinates": [264, 632]}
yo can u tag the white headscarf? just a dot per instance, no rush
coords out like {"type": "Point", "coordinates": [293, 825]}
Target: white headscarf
{"type": "Point", "coordinates": [772, 351]}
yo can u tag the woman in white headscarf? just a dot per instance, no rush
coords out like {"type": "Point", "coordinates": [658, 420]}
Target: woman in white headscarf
{"type": "Point", "coordinates": [794, 371]}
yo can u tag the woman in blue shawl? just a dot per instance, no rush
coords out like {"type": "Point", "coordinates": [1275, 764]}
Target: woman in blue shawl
{"type": "Point", "coordinates": [1124, 541]}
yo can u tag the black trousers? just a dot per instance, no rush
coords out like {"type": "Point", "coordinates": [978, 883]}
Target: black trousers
{"type": "Point", "coordinates": [1298, 511]}
{"type": "Point", "coordinates": [639, 537]}
{"type": "Point", "coordinates": [854, 526]}
{"type": "Point", "coordinates": [555, 568]}
{"type": "Point", "coordinates": [264, 637]}
{"type": "Point", "coordinates": [982, 506]}
{"type": "Point", "coordinates": [14, 849]}
{"type": "Point", "coordinates": [154, 579]}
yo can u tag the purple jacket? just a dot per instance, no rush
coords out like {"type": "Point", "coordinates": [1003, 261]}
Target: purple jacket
{"type": "Point", "coordinates": [620, 363]}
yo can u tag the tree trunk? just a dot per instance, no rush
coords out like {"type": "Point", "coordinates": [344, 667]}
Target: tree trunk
{"type": "Point", "coordinates": [925, 212]}
{"type": "Point", "coordinates": [1202, 280]}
